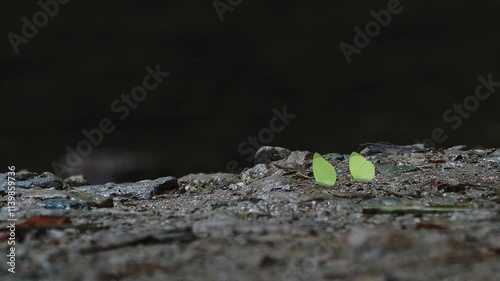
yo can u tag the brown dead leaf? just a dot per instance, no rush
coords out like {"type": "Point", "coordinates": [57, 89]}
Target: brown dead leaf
{"type": "Point", "coordinates": [45, 222]}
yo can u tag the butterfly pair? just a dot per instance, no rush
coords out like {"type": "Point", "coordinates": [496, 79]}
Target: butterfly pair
{"type": "Point", "coordinates": [360, 168]}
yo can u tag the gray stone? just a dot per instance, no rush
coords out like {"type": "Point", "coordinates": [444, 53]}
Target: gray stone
{"type": "Point", "coordinates": [143, 190]}
{"type": "Point", "coordinates": [299, 157]}
{"type": "Point", "coordinates": [268, 154]}
{"type": "Point", "coordinates": [92, 200]}
{"type": "Point", "coordinates": [28, 180]}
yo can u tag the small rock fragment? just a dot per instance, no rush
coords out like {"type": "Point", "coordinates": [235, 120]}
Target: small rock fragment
{"type": "Point", "coordinates": [268, 154]}
{"type": "Point", "coordinates": [299, 157]}
{"type": "Point", "coordinates": [92, 200]}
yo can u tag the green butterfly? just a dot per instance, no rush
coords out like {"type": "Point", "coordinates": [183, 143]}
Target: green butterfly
{"type": "Point", "coordinates": [360, 168]}
{"type": "Point", "coordinates": [324, 172]}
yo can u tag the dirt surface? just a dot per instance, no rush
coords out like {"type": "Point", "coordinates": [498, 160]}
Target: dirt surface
{"type": "Point", "coordinates": [427, 215]}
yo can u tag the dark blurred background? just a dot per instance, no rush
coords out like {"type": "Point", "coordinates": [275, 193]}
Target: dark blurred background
{"type": "Point", "coordinates": [227, 76]}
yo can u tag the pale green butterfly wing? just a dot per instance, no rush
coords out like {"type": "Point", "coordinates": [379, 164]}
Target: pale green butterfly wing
{"type": "Point", "coordinates": [324, 172]}
{"type": "Point", "coordinates": [361, 169]}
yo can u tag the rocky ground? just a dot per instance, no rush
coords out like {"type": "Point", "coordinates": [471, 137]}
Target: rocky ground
{"type": "Point", "coordinates": [427, 215]}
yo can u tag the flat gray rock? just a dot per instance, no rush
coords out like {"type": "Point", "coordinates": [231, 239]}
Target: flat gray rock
{"type": "Point", "coordinates": [30, 180]}
{"type": "Point", "coordinates": [142, 190]}
{"type": "Point", "coordinates": [268, 154]}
